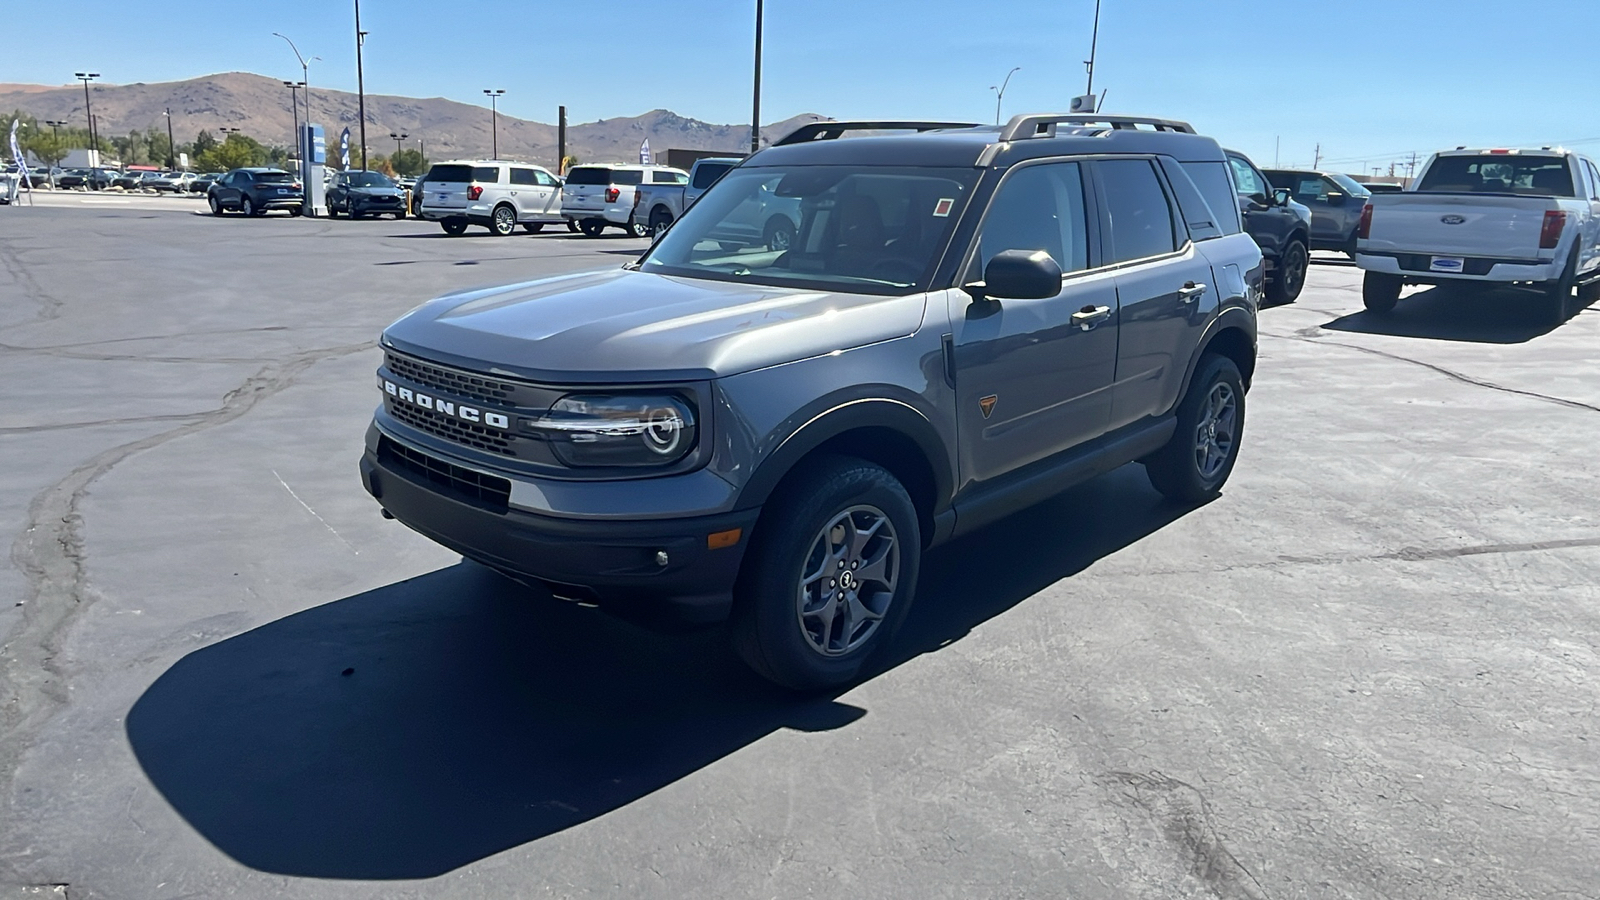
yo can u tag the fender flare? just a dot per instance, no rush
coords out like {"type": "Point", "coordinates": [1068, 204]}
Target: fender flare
{"type": "Point", "coordinates": [831, 417]}
{"type": "Point", "coordinates": [1234, 318]}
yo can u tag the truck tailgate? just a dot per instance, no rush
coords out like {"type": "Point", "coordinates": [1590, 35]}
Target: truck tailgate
{"type": "Point", "coordinates": [1467, 224]}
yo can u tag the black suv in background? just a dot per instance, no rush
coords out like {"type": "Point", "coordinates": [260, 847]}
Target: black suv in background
{"type": "Point", "coordinates": [255, 191]}
{"type": "Point", "coordinates": [359, 194]}
{"type": "Point", "coordinates": [1335, 201]}
{"type": "Point", "coordinates": [1280, 226]}
{"type": "Point", "coordinates": [969, 320]}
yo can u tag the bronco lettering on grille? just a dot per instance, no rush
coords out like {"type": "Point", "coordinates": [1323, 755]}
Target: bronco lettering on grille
{"type": "Point", "coordinates": [445, 407]}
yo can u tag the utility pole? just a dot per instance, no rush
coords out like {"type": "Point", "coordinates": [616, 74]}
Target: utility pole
{"type": "Point", "coordinates": [1316, 161]}
{"type": "Point", "coordinates": [172, 146]}
{"type": "Point", "coordinates": [494, 120]}
{"type": "Point", "coordinates": [755, 113]}
{"type": "Point", "coordinates": [294, 104]}
{"type": "Point", "coordinates": [561, 140]}
{"type": "Point", "coordinates": [1094, 44]}
{"type": "Point", "coordinates": [1411, 167]}
{"type": "Point", "coordinates": [1277, 142]}
{"type": "Point", "coordinates": [361, 87]}
{"type": "Point", "coordinates": [88, 111]}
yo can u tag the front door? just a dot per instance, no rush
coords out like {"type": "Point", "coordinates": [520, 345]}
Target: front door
{"type": "Point", "coordinates": [1033, 377]}
{"type": "Point", "coordinates": [1163, 286]}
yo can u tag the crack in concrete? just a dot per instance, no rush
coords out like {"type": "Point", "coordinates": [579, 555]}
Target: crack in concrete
{"type": "Point", "coordinates": [49, 304]}
{"type": "Point", "coordinates": [50, 553]}
{"type": "Point", "coordinates": [1305, 335]}
{"type": "Point", "coordinates": [1184, 815]}
{"type": "Point", "coordinates": [66, 426]}
{"type": "Point", "coordinates": [1404, 554]}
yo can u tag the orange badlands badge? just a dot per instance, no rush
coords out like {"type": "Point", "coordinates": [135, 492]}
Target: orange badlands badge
{"type": "Point", "coordinates": [987, 404]}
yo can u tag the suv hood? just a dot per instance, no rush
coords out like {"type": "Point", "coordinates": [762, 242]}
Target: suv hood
{"type": "Point", "coordinates": [620, 326]}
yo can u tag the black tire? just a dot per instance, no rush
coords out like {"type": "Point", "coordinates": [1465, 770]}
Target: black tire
{"type": "Point", "coordinates": [399, 215]}
{"type": "Point", "coordinates": [1197, 460]}
{"type": "Point", "coordinates": [660, 221]}
{"type": "Point", "coordinates": [298, 211]}
{"type": "Point", "coordinates": [1558, 293]}
{"type": "Point", "coordinates": [638, 229]}
{"type": "Point", "coordinates": [1380, 292]}
{"type": "Point", "coordinates": [572, 226]}
{"type": "Point", "coordinates": [1290, 277]}
{"type": "Point", "coordinates": [247, 207]}
{"type": "Point", "coordinates": [215, 204]}
{"type": "Point", "coordinates": [811, 523]}
{"type": "Point", "coordinates": [454, 227]}
{"type": "Point", "coordinates": [591, 227]}
{"type": "Point", "coordinates": [503, 221]}
{"type": "Point", "coordinates": [778, 234]}
{"type": "Point", "coordinates": [533, 227]}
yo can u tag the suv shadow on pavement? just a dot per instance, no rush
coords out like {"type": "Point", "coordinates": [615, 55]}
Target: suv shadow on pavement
{"type": "Point", "coordinates": [1459, 314]}
{"type": "Point", "coordinates": [479, 717]}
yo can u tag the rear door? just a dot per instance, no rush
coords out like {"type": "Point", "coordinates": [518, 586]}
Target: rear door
{"type": "Point", "coordinates": [530, 197]}
{"type": "Point", "coordinates": [448, 184]}
{"type": "Point", "coordinates": [585, 190]}
{"type": "Point", "coordinates": [1589, 258]}
{"type": "Point", "coordinates": [1163, 284]}
{"type": "Point", "coordinates": [1034, 377]}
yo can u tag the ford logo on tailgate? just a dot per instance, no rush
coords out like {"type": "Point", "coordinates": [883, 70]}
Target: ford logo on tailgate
{"type": "Point", "coordinates": [1453, 219]}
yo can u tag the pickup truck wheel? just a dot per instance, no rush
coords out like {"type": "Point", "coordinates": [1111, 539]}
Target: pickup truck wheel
{"type": "Point", "coordinates": [1290, 278]}
{"type": "Point", "coordinates": [830, 576]}
{"type": "Point", "coordinates": [1380, 292]}
{"type": "Point", "coordinates": [1558, 293]}
{"type": "Point", "coordinates": [503, 222]}
{"type": "Point", "coordinates": [779, 234]}
{"type": "Point", "coordinates": [533, 227]}
{"type": "Point", "coordinates": [1196, 462]}
{"type": "Point", "coordinates": [660, 221]}
{"type": "Point", "coordinates": [572, 225]}
{"type": "Point", "coordinates": [638, 229]}
{"type": "Point", "coordinates": [591, 228]}
{"type": "Point", "coordinates": [454, 227]}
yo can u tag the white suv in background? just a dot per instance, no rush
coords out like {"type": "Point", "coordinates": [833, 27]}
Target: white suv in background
{"type": "Point", "coordinates": [494, 193]}
{"type": "Point", "coordinates": [599, 195]}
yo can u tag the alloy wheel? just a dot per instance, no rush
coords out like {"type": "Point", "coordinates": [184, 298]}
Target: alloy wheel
{"type": "Point", "coordinates": [1217, 431]}
{"type": "Point", "coordinates": [848, 580]}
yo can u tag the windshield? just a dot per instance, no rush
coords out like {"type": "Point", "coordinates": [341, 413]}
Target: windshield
{"type": "Point", "coordinates": [370, 179]}
{"type": "Point", "coordinates": [1351, 186]}
{"type": "Point", "coordinates": [851, 228]}
{"type": "Point", "coordinates": [1500, 174]}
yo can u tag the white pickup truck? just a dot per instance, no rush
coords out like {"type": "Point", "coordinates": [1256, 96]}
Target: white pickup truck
{"type": "Point", "coordinates": [1529, 218]}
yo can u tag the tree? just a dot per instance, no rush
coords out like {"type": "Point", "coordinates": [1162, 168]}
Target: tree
{"type": "Point", "coordinates": [236, 152]}
{"type": "Point", "coordinates": [203, 142]}
{"type": "Point", "coordinates": [409, 162]}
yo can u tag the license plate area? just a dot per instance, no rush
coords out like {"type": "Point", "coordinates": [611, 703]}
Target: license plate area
{"type": "Point", "coordinates": [1449, 264]}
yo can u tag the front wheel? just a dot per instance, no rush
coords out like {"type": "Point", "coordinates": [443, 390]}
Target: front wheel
{"type": "Point", "coordinates": [454, 227]}
{"type": "Point", "coordinates": [1290, 278]}
{"type": "Point", "coordinates": [638, 229]}
{"type": "Point", "coordinates": [1198, 458]}
{"type": "Point", "coordinates": [1380, 292]}
{"type": "Point", "coordinates": [533, 227]}
{"type": "Point", "coordinates": [779, 234]}
{"type": "Point", "coordinates": [572, 226]}
{"type": "Point", "coordinates": [830, 575]}
{"type": "Point", "coordinates": [216, 207]}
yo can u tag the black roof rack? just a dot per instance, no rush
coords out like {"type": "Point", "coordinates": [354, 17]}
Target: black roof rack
{"type": "Point", "coordinates": [1036, 125]}
{"type": "Point", "coordinates": [827, 131]}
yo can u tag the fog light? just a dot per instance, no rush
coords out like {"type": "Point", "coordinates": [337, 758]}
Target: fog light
{"type": "Point", "coordinates": [662, 558]}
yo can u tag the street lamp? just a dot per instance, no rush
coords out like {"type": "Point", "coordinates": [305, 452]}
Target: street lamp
{"type": "Point", "coordinates": [755, 112]}
{"type": "Point", "coordinates": [305, 74]}
{"type": "Point", "coordinates": [1000, 92]}
{"type": "Point", "coordinates": [494, 120]}
{"type": "Point", "coordinates": [172, 147]}
{"type": "Point", "coordinates": [294, 104]}
{"type": "Point", "coordinates": [88, 111]}
{"type": "Point", "coordinates": [398, 137]}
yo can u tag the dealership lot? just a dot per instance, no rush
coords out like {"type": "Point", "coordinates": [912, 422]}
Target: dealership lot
{"type": "Point", "coordinates": [1366, 670]}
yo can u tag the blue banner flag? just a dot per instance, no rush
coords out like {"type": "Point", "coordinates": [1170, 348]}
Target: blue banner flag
{"type": "Point", "coordinates": [344, 149]}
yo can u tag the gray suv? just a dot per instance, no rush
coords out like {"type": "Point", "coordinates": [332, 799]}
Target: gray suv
{"type": "Point", "coordinates": [967, 321]}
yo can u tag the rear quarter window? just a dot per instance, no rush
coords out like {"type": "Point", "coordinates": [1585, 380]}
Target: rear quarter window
{"type": "Point", "coordinates": [627, 176]}
{"type": "Point", "coordinates": [1211, 179]}
{"type": "Point", "coordinates": [490, 174]}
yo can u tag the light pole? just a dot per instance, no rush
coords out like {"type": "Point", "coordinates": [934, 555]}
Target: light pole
{"type": "Point", "coordinates": [494, 120]}
{"type": "Point", "coordinates": [172, 147]}
{"type": "Point", "coordinates": [305, 76]}
{"type": "Point", "coordinates": [755, 110]}
{"type": "Point", "coordinates": [398, 137]}
{"type": "Point", "coordinates": [361, 87]}
{"type": "Point", "coordinates": [88, 111]}
{"type": "Point", "coordinates": [1000, 92]}
{"type": "Point", "coordinates": [294, 104]}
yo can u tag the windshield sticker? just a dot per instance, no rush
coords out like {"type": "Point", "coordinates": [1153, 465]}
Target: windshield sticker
{"type": "Point", "coordinates": [942, 208]}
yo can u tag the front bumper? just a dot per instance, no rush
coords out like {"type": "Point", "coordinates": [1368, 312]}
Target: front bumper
{"type": "Point", "coordinates": [1418, 267]}
{"type": "Point", "coordinates": [611, 563]}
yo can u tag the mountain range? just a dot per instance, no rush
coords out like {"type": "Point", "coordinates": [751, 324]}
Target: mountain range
{"type": "Point", "coordinates": [260, 108]}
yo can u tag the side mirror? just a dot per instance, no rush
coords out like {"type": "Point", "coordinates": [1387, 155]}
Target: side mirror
{"type": "Point", "coordinates": [1281, 197]}
{"type": "Point", "coordinates": [1018, 275]}
{"type": "Point", "coordinates": [1335, 198]}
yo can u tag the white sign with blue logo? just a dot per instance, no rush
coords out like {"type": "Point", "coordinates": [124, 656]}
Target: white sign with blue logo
{"type": "Point", "coordinates": [644, 153]}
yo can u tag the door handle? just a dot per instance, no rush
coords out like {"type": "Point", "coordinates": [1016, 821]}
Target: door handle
{"type": "Point", "coordinates": [1090, 316]}
{"type": "Point", "coordinates": [1190, 291]}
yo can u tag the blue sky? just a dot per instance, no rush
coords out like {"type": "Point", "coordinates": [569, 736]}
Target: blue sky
{"type": "Point", "coordinates": [1368, 80]}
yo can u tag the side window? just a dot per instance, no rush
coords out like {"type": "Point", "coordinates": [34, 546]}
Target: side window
{"type": "Point", "coordinates": [1310, 188]}
{"type": "Point", "coordinates": [523, 176]}
{"type": "Point", "coordinates": [544, 179]}
{"type": "Point", "coordinates": [1039, 208]}
{"type": "Point", "coordinates": [486, 174]}
{"type": "Point", "coordinates": [1245, 177]}
{"type": "Point", "coordinates": [1593, 177]}
{"type": "Point", "coordinates": [1141, 215]}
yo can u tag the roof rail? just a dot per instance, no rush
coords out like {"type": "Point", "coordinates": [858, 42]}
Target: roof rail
{"type": "Point", "coordinates": [827, 131]}
{"type": "Point", "coordinates": [1025, 126]}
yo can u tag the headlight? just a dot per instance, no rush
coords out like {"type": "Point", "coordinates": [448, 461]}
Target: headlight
{"type": "Point", "coordinates": [618, 430]}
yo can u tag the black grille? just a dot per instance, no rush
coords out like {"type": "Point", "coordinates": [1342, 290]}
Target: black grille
{"type": "Point", "coordinates": [451, 381]}
{"type": "Point", "coordinates": [485, 491]}
{"type": "Point", "coordinates": [486, 439]}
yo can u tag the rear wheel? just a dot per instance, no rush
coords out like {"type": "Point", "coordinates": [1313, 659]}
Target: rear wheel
{"type": "Point", "coordinates": [1290, 278]}
{"type": "Point", "coordinates": [454, 227]}
{"type": "Point", "coordinates": [572, 225]}
{"type": "Point", "coordinates": [1558, 293]}
{"type": "Point", "coordinates": [831, 574]}
{"type": "Point", "coordinates": [1380, 292]}
{"type": "Point", "coordinates": [637, 228]}
{"type": "Point", "coordinates": [779, 233]}
{"type": "Point", "coordinates": [1197, 460]}
{"type": "Point", "coordinates": [660, 221]}
{"type": "Point", "coordinates": [503, 222]}
{"type": "Point", "coordinates": [248, 207]}
{"type": "Point", "coordinates": [591, 227]}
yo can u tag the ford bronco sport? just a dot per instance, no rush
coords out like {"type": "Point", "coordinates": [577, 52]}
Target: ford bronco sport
{"type": "Point", "coordinates": [968, 320]}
